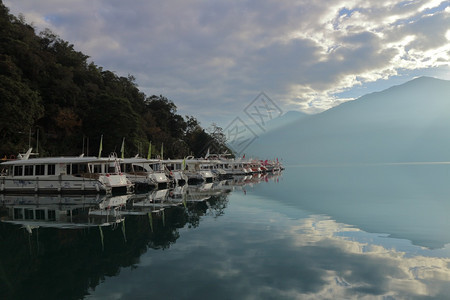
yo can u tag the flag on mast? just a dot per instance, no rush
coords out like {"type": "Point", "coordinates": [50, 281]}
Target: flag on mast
{"type": "Point", "coordinates": [122, 149]}
{"type": "Point", "coordinates": [149, 154]}
{"type": "Point", "coordinates": [101, 147]}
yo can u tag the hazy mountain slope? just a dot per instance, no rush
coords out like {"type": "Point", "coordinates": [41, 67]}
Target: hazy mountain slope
{"type": "Point", "coordinates": [409, 122]}
{"type": "Point", "coordinates": [286, 119]}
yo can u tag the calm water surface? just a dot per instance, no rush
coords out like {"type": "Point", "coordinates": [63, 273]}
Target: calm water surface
{"type": "Point", "coordinates": [317, 232]}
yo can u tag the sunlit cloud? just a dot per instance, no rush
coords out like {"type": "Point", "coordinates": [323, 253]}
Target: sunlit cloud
{"type": "Point", "coordinates": [302, 53]}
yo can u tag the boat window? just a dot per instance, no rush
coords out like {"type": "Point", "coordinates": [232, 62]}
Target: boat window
{"type": "Point", "coordinates": [40, 214]}
{"type": "Point", "coordinates": [111, 169]}
{"type": "Point", "coordinates": [39, 169]}
{"type": "Point", "coordinates": [29, 214]}
{"type": "Point", "coordinates": [97, 168]}
{"type": "Point", "coordinates": [18, 170]}
{"type": "Point", "coordinates": [138, 168]}
{"type": "Point", "coordinates": [68, 169]}
{"type": "Point", "coordinates": [28, 170]}
{"type": "Point", "coordinates": [51, 215]}
{"type": "Point", "coordinates": [51, 169]}
{"type": "Point", "coordinates": [79, 168]}
{"type": "Point", "coordinates": [178, 166]}
{"type": "Point", "coordinates": [18, 213]}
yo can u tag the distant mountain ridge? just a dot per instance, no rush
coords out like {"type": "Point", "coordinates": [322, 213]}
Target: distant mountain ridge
{"type": "Point", "coordinates": [281, 121]}
{"type": "Point", "coordinates": [408, 122]}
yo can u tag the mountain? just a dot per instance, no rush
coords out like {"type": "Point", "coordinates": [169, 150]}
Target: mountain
{"type": "Point", "coordinates": [284, 120]}
{"type": "Point", "coordinates": [409, 122]}
{"type": "Point", "coordinates": [343, 155]}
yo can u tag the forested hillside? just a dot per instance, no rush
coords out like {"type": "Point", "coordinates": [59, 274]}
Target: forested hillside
{"type": "Point", "coordinates": [51, 95]}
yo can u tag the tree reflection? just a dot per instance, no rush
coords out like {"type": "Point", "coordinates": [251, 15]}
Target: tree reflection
{"type": "Point", "coordinates": [54, 263]}
{"type": "Point", "coordinates": [45, 259]}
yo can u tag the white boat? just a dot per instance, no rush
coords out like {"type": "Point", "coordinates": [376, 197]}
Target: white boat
{"type": "Point", "coordinates": [59, 175]}
{"type": "Point", "coordinates": [176, 168]}
{"type": "Point", "coordinates": [216, 166]}
{"type": "Point", "coordinates": [227, 167]}
{"type": "Point", "coordinates": [145, 172]}
{"type": "Point", "coordinates": [233, 167]}
{"type": "Point", "coordinates": [198, 170]}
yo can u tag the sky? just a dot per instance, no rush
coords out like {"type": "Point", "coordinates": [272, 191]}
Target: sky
{"type": "Point", "coordinates": [214, 58]}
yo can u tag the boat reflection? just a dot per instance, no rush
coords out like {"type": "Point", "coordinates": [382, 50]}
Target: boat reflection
{"type": "Point", "coordinates": [65, 246]}
{"type": "Point", "coordinates": [61, 211]}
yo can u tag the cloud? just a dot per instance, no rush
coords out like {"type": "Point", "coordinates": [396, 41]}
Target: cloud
{"type": "Point", "coordinates": [224, 53]}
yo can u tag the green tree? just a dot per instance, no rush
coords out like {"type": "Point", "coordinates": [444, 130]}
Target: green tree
{"type": "Point", "coordinates": [19, 109]}
{"type": "Point", "coordinates": [46, 84]}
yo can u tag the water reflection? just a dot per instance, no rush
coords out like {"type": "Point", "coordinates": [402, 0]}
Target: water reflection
{"type": "Point", "coordinates": [240, 238]}
{"type": "Point", "coordinates": [359, 263]}
{"type": "Point", "coordinates": [274, 255]}
{"type": "Point", "coordinates": [405, 201]}
{"type": "Point", "coordinates": [34, 211]}
{"type": "Point", "coordinates": [65, 246]}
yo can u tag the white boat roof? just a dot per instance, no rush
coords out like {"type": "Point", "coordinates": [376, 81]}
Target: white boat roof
{"type": "Point", "coordinates": [138, 160]}
{"type": "Point", "coordinates": [199, 161]}
{"type": "Point", "coordinates": [57, 160]}
{"type": "Point", "coordinates": [173, 161]}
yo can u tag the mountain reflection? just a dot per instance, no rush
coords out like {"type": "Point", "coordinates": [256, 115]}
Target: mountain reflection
{"type": "Point", "coordinates": [406, 201]}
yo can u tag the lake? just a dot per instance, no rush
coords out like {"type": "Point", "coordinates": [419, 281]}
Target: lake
{"type": "Point", "coordinates": [377, 231]}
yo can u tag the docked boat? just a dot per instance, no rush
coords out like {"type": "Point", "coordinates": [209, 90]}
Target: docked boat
{"type": "Point", "coordinates": [233, 167]}
{"type": "Point", "coordinates": [198, 170]}
{"type": "Point", "coordinates": [63, 175]}
{"type": "Point", "coordinates": [176, 169]}
{"type": "Point", "coordinates": [256, 167]}
{"type": "Point", "coordinates": [145, 173]}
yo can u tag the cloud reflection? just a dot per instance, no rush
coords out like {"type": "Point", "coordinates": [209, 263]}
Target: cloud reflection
{"type": "Point", "coordinates": [272, 256]}
{"type": "Point", "coordinates": [360, 268]}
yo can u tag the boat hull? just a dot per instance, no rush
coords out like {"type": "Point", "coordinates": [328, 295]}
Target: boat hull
{"type": "Point", "coordinates": [63, 184]}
